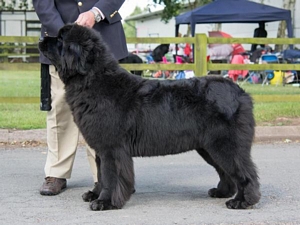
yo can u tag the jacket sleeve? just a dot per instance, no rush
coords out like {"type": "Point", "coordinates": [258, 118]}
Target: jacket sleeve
{"type": "Point", "coordinates": [110, 9]}
{"type": "Point", "coordinates": [48, 16]}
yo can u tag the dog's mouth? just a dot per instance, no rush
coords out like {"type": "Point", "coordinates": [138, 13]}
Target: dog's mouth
{"type": "Point", "coordinates": [51, 48]}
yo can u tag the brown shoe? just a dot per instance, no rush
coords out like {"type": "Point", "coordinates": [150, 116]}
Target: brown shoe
{"type": "Point", "coordinates": [53, 186]}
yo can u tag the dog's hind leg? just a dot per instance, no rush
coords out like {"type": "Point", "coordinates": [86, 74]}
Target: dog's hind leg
{"type": "Point", "coordinates": [94, 194]}
{"type": "Point", "coordinates": [237, 163]}
{"type": "Point", "coordinates": [117, 180]}
{"type": "Point", "coordinates": [226, 187]}
{"type": "Point", "coordinates": [248, 185]}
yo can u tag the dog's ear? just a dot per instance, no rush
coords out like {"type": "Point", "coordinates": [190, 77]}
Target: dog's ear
{"type": "Point", "coordinates": [71, 56]}
{"type": "Point", "coordinates": [74, 58]}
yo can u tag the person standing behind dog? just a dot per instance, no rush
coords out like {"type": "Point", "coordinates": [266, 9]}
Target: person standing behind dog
{"type": "Point", "coordinates": [178, 50]}
{"type": "Point", "coordinates": [187, 51]}
{"type": "Point", "coordinates": [259, 32]}
{"type": "Point", "coordinates": [62, 132]}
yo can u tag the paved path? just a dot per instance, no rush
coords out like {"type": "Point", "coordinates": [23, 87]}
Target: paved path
{"type": "Point", "coordinates": [170, 190]}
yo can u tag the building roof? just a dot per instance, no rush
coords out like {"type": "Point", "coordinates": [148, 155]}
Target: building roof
{"type": "Point", "coordinates": [144, 16]}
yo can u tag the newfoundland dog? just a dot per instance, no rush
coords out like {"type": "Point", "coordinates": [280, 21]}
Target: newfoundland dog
{"type": "Point", "coordinates": [122, 116]}
{"type": "Point", "coordinates": [132, 58]}
{"type": "Point", "coordinates": [159, 52]}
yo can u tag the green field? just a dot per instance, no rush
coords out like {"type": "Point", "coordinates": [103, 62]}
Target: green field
{"type": "Point", "coordinates": [20, 91]}
{"type": "Point", "coordinates": [19, 100]}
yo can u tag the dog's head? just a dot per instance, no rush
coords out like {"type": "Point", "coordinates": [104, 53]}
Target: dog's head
{"type": "Point", "coordinates": [73, 51]}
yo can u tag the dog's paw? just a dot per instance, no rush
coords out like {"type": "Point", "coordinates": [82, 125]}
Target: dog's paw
{"type": "Point", "coordinates": [89, 196]}
{"type": "Point", "coordinates": [100, 205]}
{"type": "Point", "coordinates": [237, 204]}
{"type": "Point", "coordinates": [216, 193]}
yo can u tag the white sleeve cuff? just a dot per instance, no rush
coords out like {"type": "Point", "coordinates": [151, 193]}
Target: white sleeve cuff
{"type": "Point", "coordinates": [99, 11]}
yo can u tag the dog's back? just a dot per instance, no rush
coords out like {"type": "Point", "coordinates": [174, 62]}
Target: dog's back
{"type": "Point", "coordinates": [192, 111]}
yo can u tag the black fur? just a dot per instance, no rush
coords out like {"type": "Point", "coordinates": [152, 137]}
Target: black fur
{"type": "Point", "coordinates": [132, 58]}
{"type": "Point", "coordinates": [159, 52]}
{"type": "Point", "coordinates": [121, 115]}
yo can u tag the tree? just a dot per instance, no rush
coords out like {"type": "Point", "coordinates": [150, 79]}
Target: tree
{"type": "Point", "coordinates": [15, 5]}
{"type": "Point", "coordinates": [287, 4]}
{"type": "Point", "coordinates": [175, 7]}
{"type": "Point", "coordinates": [129, 27]}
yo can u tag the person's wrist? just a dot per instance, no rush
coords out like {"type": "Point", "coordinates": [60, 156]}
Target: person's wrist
{"type": "Point", "coordinates": [97, 15]}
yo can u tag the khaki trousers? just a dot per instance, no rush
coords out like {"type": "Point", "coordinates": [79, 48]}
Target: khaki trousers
{"type": "Point", "coordinates": [62, 134]}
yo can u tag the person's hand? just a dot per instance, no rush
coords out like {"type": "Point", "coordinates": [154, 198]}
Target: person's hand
{"type": "Point", "coordinates": [86, 19]}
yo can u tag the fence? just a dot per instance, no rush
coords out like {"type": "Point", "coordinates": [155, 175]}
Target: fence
{"type": "Point", "coordinates": [9, 44]}
{"type": "Point", "coordinates": [16, 49]}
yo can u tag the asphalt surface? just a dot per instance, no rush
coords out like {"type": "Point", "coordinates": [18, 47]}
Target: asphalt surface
{"type": "Point", "coordinates": [169, 190]}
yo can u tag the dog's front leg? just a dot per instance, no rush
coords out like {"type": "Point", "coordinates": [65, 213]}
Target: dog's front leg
{"type": "Point", "coordinates": [107, 181]}
{"type": "Point", "coordinates": [94, 194]}
{"type": "Point", "coordinates": [117, 180]}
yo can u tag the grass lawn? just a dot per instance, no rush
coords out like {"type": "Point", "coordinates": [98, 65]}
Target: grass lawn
{"type": "Point", "coordinates": [273, 102]}
{"type": "Point", "coordinates": [20, 92]}
{"type": "Point", "coordinates": [19, 100]}
{"type": "Point", "coordinates": [20, 84]}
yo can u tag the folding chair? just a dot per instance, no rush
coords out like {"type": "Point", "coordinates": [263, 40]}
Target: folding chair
{"type": "Point", "coordinates": [268, 74]}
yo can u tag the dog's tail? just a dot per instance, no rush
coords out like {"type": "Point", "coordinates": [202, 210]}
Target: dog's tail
{"type": "Point", "coordinates": [233, 104]}
{"type": "Point", "coordinates": [227, 97]}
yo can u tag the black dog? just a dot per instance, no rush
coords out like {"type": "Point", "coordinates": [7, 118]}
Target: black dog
{"type": "Point", "coordinates": [121, 115]}
{"type": "Point", "coordinates": [132, 58]}
{"type": "Point", "coordinates": [159, 52]}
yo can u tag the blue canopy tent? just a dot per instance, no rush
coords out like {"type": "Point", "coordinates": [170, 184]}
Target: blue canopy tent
{"type": "Point", "coordinates": [234, 11]}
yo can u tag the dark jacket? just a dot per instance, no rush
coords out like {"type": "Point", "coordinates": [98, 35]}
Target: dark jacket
{"type": "Point", "coordinates": [54, 14]}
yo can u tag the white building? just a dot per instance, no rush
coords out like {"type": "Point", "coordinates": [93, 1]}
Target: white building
{"type": "Point", "coordinates": [19, 23]}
